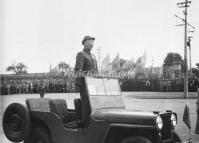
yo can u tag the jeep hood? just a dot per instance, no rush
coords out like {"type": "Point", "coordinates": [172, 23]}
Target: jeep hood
{"type": "Point", "coordinates": [125, 117]}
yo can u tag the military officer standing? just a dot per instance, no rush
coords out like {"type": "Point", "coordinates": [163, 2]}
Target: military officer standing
{"type": "Point", "coordinates": [85, 60]}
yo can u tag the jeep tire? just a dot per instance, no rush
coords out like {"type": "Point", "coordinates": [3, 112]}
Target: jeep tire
{"type": "Point", "coordinates": [16, 122]}
{"type": "Point", "coordinates": [136, 139]}
{"type": "Point", "coordinates": [38, 135]}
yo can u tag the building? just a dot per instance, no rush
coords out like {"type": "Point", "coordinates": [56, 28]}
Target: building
{"type": "Point", "coordinates": [173, 71]}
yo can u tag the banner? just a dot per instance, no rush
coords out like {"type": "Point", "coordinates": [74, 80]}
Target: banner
{"type": "Point", "coordinates": [186, 116]}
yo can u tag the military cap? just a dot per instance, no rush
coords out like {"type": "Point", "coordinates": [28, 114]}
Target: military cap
{"type": "Point", "coordinates": [87, 38]}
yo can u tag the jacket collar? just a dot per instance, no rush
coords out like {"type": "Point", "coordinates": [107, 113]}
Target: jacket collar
{"type": "Point", "coordinates": [87, 51]}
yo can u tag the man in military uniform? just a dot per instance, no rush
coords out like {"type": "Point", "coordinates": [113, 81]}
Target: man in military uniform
{"type": "Point", "coordinates": [86, 63]}
{"type": "Point", "coordinates": [42, 89]}
{"type": "Point", "coordinates": [85, 60]}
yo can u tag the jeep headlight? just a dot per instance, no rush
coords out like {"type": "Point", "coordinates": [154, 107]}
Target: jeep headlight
{"type": "Point", "coordinates": [173, 119]}
{"type": "Point", "coordinates": [159, 122]}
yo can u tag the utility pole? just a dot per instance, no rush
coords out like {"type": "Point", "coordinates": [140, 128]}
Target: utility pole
{"type": "Point", "coordinates": [185, 6]}
{"type": "Point", "coordinates": [188, 38]}
{"type": "Point", "coordinates": [189, 45]}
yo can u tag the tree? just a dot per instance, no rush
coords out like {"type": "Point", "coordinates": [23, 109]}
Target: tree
{"type": "Point", "coordinates": [19, 68]}
{"type": "Point", "coordinates": [60, 68]}
{"type": "Point", "coordinates": [196, 70]}
{"type": "Point", "coordinates": [122, 61]}
{"type": "Point", "coordinates": [63, 66]}
{"type": "Point", "coordinates": [197, 64]}
{"type": "Point", "coordinates": [171, 58]}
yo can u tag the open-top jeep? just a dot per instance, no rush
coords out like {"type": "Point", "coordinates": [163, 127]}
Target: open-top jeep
{"type": "Point", "coordinates": [99, 117]}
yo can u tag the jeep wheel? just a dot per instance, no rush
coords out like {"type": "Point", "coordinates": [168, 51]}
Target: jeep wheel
{"type": "Point", "coordinates": [136, 139]}
{"type": "Point", "coordinates": [38, 135]}
{"type": "Point", "coordinates": [16, 122]}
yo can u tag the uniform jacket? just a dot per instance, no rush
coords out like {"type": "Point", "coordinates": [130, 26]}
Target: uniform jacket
{"type": "Point", "coordinates": [85, 61]}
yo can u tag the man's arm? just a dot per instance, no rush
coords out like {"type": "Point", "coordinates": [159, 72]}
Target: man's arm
{"type": "Point", "coordinates": [79, 62]}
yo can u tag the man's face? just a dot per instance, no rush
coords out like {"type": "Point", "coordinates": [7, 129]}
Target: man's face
{"type": "Point", "coordinates": [88, 44]}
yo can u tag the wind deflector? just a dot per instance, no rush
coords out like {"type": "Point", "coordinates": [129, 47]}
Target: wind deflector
{"type": "Point", "coordinates": [104, 93]}
{"type": "Point", "coordinates": [102, 86]}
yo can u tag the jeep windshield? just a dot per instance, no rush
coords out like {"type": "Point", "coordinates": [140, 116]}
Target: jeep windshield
{"type": "Point", "coordinates": [104, 93]}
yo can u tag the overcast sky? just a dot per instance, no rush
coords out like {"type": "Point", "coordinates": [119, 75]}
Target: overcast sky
{"type": "Point", "coordinates": [43, 32]}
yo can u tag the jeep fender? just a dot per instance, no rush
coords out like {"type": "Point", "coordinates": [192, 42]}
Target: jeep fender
{"type": "Point", "coordinates": [52, 123]}
{"type": "Point", "coordinates": [117, 132]}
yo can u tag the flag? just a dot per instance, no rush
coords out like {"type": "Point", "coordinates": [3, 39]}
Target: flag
{"type": "Point", "coordinates": [139, 60]}
{"type": "Point", "coordinates": [128, 65]}
{"type": "Point", "coordinates": [106, 64]}
{"type": "Point", "coordinates": [143, 59]}
{"type": "Point", "coordinates": [140, 64]}
{"type": "Point", "coordinates": [116, 63]}
{"type": "Point", "coordinates": [186, 116]}
{"type": "Point", "coordinates": [50, 68]}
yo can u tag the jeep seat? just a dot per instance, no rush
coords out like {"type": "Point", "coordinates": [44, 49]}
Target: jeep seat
{"type": "Point", "coordinates": [59, 107]}
{"type": "Point", "coordinates": [38, 104]}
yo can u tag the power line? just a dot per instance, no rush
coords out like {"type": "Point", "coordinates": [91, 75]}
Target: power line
{"type": "Point", "coordinates": [183, 21]}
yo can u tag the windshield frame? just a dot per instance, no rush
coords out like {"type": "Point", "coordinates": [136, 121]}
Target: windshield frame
{"type": "Point", "coordinates": [104, 99]}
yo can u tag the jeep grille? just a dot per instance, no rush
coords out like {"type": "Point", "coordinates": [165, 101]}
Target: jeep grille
{"type": "Point", "coordinates": [166, 131]}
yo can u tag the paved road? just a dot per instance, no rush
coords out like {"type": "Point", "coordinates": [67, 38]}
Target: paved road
{"type": "Point", "coordinates": [146, 101]}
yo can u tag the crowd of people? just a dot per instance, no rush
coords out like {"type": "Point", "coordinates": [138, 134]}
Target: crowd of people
{"type": "Point", "coordinates": [135, 84]}
{"type": "Point", "coordinates": [34, 86]}
{"type": "Point", "coordinates": [28, 86]}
